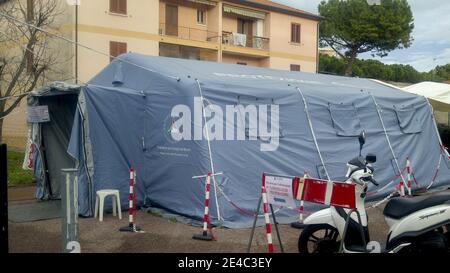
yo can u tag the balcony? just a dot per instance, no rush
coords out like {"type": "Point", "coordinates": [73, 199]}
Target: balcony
{"type": "Point", "coordinates": [232, 43]}
{"type": "Point", "coordinates": [242, 40]}
{"type": "Point", "coordinates": [188, 33]}
{"type": "Point", "coordinates": [243, 45]}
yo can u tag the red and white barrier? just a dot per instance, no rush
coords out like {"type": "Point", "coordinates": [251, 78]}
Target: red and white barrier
{"type": "Point", "coordinates": [330, 193]}
{"type": "Point", "coordinates": [132, 204]}
{"type": "Point", "coordinates": [402, 188]}
{"type": "Point", "coordinates": [206, 214]}
{"type": "Point", "coordinates": [31, 156]}
{"type": "Point", "coordinates": [408, 172]}
{"type": "Point", "coordinates": [206, 223]}
{"type": "Point", "coordinates": [267, 219]}
{"type": "Point", "coordinates": [268, 198]}
{"type": "Point", "coordinates": [131, 199]}
{"type": "Point", "coordinates": [302, 208]}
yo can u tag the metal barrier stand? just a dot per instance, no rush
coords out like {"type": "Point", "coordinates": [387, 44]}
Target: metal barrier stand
{"type": "Point", "coordinates": [263, 199]}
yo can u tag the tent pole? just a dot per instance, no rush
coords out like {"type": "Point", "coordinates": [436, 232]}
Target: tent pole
{"type": "Point", "coordinates": [209, 150]}
{"type": "Point", "coordinates": [387, 136]}
{"type": "Point", "coordinates": [312, 132]}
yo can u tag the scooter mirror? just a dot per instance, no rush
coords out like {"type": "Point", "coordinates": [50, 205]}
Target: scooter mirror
{"type": "Point", "coordinates": [371, 158]}
{"type": "Point", "coordinates": [362, 140]}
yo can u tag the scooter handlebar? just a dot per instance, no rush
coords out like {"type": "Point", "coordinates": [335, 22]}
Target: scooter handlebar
{"type": "Point", "coordinates": [371, 179]}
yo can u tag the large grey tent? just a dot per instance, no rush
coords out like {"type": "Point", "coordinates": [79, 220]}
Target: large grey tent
{"type": "Point", "coordinates": [124, 118]}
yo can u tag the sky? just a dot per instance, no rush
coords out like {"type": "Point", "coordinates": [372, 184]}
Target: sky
{"type": "Point", "coordinates": [431, 45]}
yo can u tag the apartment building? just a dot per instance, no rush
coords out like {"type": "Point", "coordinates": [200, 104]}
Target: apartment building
{"type": "Point", "coordinates": [255, 32]}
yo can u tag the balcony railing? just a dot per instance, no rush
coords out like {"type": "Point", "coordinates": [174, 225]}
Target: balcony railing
{"type": "Point", "coordinates": [237, 39]}
{"type": "Point", "coordinates": [188, 33]}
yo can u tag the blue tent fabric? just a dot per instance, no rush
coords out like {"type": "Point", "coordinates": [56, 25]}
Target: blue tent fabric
{"type": "Point", "coordinates": [124, 121]}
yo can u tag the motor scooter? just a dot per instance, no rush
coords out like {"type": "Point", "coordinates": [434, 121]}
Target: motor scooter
{"type": "Point", "coordinates": [416, 224]}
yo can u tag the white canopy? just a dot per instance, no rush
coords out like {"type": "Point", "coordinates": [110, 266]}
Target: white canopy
{"type": "Point", "coordinates": [437, 93]}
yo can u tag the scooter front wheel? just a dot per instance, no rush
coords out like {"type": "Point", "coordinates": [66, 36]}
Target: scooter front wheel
{"type": "Point", "coordinates": [319, 239]}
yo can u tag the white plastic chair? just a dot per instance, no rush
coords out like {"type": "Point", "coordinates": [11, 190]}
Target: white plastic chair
{"type": "Point", "coordinates": [100, 200]}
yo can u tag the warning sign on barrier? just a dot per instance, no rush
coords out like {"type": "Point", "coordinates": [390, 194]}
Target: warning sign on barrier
{"type": "Point", "coordinates": [279, 190]}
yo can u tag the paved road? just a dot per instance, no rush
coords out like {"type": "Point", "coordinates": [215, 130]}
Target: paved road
{"type": "Point", "coordinates": [21, 193]}
{"type": "Point", "coordinates": [162, 235]}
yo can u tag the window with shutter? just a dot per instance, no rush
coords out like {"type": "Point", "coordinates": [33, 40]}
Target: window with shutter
{"type": "Point", "coordinates": [295, 33]}
{"type": "Point", "coordinates": [116, 48]}
{"type": "Point", "coordinates": [295, 67]}
{"type": "Point", "coordinates": [201, 17]}
{"type": "Point", "coordinates": [118, 6]}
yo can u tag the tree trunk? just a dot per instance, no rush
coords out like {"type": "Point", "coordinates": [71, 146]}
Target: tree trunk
{"type": "Point", "coordinates": [350, 62]}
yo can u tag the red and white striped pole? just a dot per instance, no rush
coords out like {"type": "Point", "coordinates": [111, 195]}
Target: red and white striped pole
{"type": "Point", "coordinates": [206, 214]}
{"type": "Point", "coordinates": [302, 208]}
{"type": "Point", "coordinates": [205, 236]}
{"type": "Point", "coordinates": [30, 156]}
{"type": "Point", "coordinates": [402, 188]}
{"type": "Point", "coordinates": [132, 204]}
{"type": "Point", "coordinates": [267, 219]}
{"type": "Point", "coordinates": [408, 170]}
{"type": "Point", "coordinates": [131, 200]}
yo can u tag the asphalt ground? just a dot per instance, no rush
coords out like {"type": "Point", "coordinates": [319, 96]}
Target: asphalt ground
{"type": "Point", "coordinates": [161, 235]}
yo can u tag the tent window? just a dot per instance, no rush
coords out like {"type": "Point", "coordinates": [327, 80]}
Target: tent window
{"type": "Point", "coordinates": [345, 120]}
{"type": "Point", "coordinates": [408, 121]}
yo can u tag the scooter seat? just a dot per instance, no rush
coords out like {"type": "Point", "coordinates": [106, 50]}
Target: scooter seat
{"type": "Point", "coordinates": [400, 207]}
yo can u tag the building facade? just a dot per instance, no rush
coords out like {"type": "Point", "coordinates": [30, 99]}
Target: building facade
{"type": "Point", "coordinates": [256, 32]}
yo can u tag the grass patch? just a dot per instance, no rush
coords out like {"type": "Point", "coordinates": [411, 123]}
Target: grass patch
{"type": "Point", "coordinates": [154, 213]}
{"type": "Point", "coordinates": [16, 175]}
